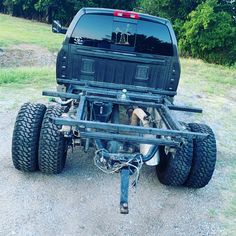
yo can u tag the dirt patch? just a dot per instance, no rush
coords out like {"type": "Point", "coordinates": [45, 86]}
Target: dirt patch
{"type": "Point", "coordinates": [26, 55]}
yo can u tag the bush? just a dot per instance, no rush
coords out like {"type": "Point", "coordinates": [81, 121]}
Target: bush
{"type": "Point", "coordinates": [209, 33]}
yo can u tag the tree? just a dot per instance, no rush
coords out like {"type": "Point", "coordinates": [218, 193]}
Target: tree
{"type": "Point", "coordinates": [116, 4]}
{"type": "Point", "coordinates": [55, 9]}
{"type": "Point", "coordinates": [170, 9]}
{"type": "Point", "coordinates": [174, 10]}
{"type": "Point", "coordinates": [65, 10]}
{"type": "Point", "coordinates": [229, 6]}
{"type": "Point", "coordinates": [209, 33]}
{"type": "Point", "coordinates": [1, 6]}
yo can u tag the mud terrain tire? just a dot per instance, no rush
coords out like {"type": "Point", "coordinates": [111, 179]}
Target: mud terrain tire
{"type": "Point", "coordinates": [52, 144]}
{"type": "Point", "coordinates": [26, 137]}
{"type": "Point", "coordinates": [173, 170]}
{"type": "Point", "coordinates": [204, 157]}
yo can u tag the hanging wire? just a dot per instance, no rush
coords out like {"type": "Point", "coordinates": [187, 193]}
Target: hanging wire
{"type": "Point", "coordinates": [108, 168]}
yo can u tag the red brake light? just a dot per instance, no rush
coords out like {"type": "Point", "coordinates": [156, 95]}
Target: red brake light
{"type": "Point", "coordinates": [126, 14]}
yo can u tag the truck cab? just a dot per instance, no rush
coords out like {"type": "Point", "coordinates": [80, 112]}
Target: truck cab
{"type": "Point", "coordinates": [119, 47]}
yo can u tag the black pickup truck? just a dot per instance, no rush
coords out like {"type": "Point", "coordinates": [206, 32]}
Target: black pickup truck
{"type": "Point", "coordinates": [117, 74]}
{"type": "Point", "coordinates": [120, 47]}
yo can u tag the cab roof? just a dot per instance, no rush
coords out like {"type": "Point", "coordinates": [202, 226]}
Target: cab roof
{"type": "Point", "coordinates": [90, 10]}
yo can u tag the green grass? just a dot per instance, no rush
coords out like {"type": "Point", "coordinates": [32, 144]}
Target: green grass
{"type": "Point", "coordinates": [215, 87]}
{"type": "Point", "coordinates": [19, 31]}
{"type": "Point", "coordinates": [26, 75]}
{"type": "Point", "coordinates": [211, 79]}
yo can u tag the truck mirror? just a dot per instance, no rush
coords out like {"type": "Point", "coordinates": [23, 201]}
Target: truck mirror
{"type": "Point", "coordinates": [57, 28]}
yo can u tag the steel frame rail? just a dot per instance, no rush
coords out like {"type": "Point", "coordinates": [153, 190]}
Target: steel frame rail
{"type": "Point", "coordinates": [88, 92]}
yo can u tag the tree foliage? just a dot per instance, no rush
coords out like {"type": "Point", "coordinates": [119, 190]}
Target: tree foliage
{"type": "Point", "coordinates": [171, 9]}
{"type": "Point", "coordinates": [209, 33]}
{"type": "Point", "coordinates": [46, 10]}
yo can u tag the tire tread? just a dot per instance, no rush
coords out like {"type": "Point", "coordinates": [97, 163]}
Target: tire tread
{"type": "Point", "coordinates": [176, 170]}
{"type": "Point", "coordinates": [26, 136]}
{"type": "Point", "coordinates": [204, 157]}
{"type": "Point", "coordinates": [52, 144]}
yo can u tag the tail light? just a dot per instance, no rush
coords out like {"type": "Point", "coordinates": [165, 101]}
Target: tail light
{"type": "Point", "coordinates": [126, 14]}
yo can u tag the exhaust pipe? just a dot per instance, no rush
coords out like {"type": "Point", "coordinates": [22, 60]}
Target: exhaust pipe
{"type": "Point", "coordinates": [140, 115]}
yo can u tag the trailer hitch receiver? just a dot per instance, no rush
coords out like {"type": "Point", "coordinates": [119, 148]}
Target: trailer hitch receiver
{"type": "Point", "coordinates": [124, 190]}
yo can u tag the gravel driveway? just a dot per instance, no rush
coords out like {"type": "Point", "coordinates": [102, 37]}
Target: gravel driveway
{"type": "Point", "coordinates": [84, 201]}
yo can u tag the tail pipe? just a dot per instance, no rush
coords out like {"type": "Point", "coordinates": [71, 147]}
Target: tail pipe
{"type": "Point", "coordinates": [145, 149]}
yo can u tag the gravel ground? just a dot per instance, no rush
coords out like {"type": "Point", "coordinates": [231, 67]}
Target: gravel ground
{"type": "Point", "coordinates": [84, 201]}
{"type": "Point", "coordinates": [26, 55]}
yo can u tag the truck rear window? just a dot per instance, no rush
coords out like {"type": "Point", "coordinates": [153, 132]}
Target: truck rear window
{"type": "Point", "coordinates": [93, 30]}
{"type": "Point", "coordinates": [108, 32]}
